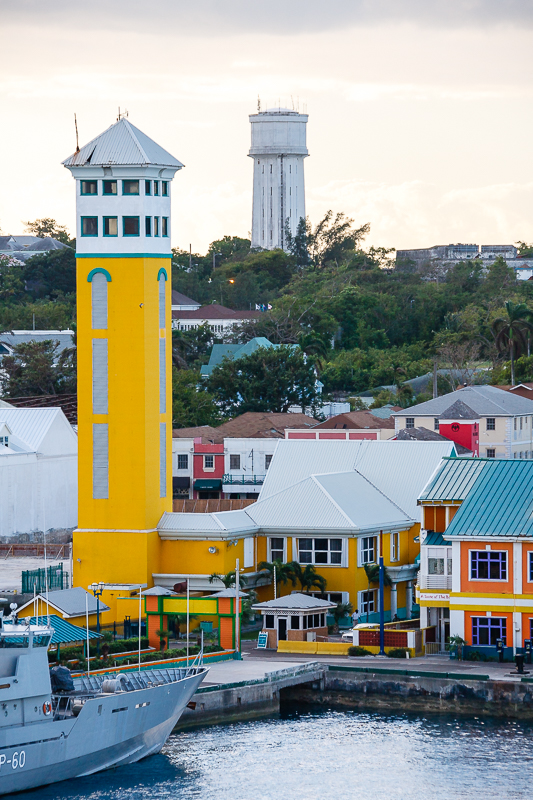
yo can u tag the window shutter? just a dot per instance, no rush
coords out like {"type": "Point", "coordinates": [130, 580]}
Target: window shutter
{"type": "Point", "coordinates": [100, 461]}
{"type": "Point", "coordinates": [162, 377]}
{"type": "Point", "coordinates": [162, 287]}
{"type": "Point", "coordinates": [248, 552]}
{"type": "Point", "coordinates": [100, 370]}
{"type": "Point", "coordinates": [162, 459]}
{"type": "Point", "coordinates": [99, 301]}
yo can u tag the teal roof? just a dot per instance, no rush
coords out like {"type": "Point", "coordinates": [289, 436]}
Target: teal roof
{"type": "Point", "coordinates": [500, 503]}
{"type": "Point", "coordinates": [434, 539]}
{"type": "Point", "coordinates": [64, 632]}
{"type": "Point", "coordinates": [222, 351]}
{"type": "Point", "coordinates": [454, 479]}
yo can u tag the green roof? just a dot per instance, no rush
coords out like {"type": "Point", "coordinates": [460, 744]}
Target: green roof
{"type": "Point", "coordinates": [64, 632]}
{"type": "Point", "coordinates": [434, 539]}
{"type": "Point", "coordinates": [453, 480]}
{"type": "Point", "coordinates": [222, 351]}
{"type": "Point", "coordinates": [500, 503]}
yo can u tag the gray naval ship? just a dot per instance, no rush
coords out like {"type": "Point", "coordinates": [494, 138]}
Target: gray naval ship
{"type": "Point", "coordinates": [95, 722]}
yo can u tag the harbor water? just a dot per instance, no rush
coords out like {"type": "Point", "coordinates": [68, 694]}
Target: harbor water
{"type": "Point", "coordinates": [326, 755]}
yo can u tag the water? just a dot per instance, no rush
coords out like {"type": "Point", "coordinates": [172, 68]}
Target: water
{"type": "Point", "coordinates": [326, 755]}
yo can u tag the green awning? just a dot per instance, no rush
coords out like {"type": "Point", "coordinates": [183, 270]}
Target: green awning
{"type": "Point", "coordinates": [205, 485]}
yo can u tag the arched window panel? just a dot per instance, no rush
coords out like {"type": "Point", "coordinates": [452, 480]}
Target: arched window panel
{"type": "Point", "coordinates": [162, 459]}
{"type": "Point", "coordinates": [162, 377]}
{"type": "Point", "coordinates": [100, 376]}
{"type": "Point", "coordinates": [100, 461]}
{"type": "Point", "coordinates": [162, 279]}
{"type": "Point", "coordinates": [99, 301]}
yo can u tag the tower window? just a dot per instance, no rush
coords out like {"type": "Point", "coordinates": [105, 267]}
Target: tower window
{"type": "Point", "coordinates": [148, 226]}
{"type": "Point", "coordinates": [164, 188]}
{"type": "Point", "coordinates": [263, 168]}
{"type": "Point", "coordinates": [164, 226]}
{"type": "Point", "coordinates": [110, 226]}
{"type": "Point", "coordinates": [130, 187]}
{"type": "Point", "coordinates": [156, 226]}
{"type": "Point", "coordinates": [89, 187]}
{"type": "Point", "coordinates": [100, 379]}
{"type": "Point", "coordinates": [100, 461]}
{"type": "Point", "coordinates": [148, 187]}
{"type": "Point", "coordinates": [99, 301]}
{"type": "Point", "coordinates": [110, 187]}
{"type": "Point", "coordinates": [290, 168]}
{"type": "Point", "coordinates": [162, 459]}
{"type": "Point", "coordinates": [130, 226]}
{"type": "Point", "coordinates": [89, 226]}
{"type": "Point", "coordinates": [271, 169]}
{"type": "Point", "coordinates": [156, 188]}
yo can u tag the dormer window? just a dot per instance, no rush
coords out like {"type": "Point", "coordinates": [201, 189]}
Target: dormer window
{"type": "Point", "coordinates": [164, 188]}
{"type": "Point", "coordinates": [110, 187]}
{"type": "Point", "coordinates": [4, 440]}
{"type": "Point", "coordinates": [89, 187]}
{"type": "Point", "coordinates": [156, 188]}
{"type": "Point", "coordinates": [130, 187]}
{"type": "Point", "coordinates": [148, 187]}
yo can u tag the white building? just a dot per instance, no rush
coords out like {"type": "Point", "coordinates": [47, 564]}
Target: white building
{"type": "Point", "coordinates": [278, 149]}
{"type": "Point", "coordinates": [218, 318]}
{"type": "Point", "coordinates": [246, 462]}
{"type": "Point", "coordinates": [38, 471]}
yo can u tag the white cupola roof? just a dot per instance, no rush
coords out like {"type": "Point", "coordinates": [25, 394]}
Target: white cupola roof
{"type": "Point", "coordinates": [122, 144]}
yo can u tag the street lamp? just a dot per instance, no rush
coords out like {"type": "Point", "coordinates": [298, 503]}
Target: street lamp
{"type": "Point", "coordinates": [97, 589]}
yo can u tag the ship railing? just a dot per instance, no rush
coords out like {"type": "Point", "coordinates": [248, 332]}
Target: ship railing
{"type": "Point", "coordinates": [63, 705]}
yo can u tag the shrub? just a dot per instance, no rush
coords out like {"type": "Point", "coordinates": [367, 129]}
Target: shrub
{"type": "Point", "coordinates": [359, 651]}
{"type": "Point", "coordinates": [397, 652]}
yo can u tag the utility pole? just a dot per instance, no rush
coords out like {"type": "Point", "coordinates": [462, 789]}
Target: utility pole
{"type": "Point", "coordinates": [190, 258]}
{"type": "Point", "coordinates": [435, 378]}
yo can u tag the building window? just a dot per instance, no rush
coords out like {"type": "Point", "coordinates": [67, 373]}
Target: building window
{"type": "Point", "coordinates": [4, 440]}
{"type": "Point", "coordinates": [435, 566]}
{"type": "Point", "coordinates": [295, 623]}
{"type": "Point", "coordinates": [89, 187]}
{"type": "Point", "coordinates": [486, 630]}
{"type": "Point", "coordinates": [130, 226]}
{"type": "Point", "coordinates": [277, 549]}
{"type": "Point", "coordinates": [110, 187]}
{"type": "Point", "coordinates": [164, 226]}
{"type": "Point", "coordinates": [488, 565]}
{"type": "Point", "coordinates": [148, 226]}
{"type": "Point", "coordinates": [130, 187]}
{"type": "Point", "coordinates": [491, 452]}
{"type": "Point", "coordinates": [269, 621]}
{"type": "Point", "coordinates": [367, 602]}
{"type": "Point", "coordinates": [320, 551]}
{"type": "Point", "coordinates": [491, 423]}
{"type": "Point", "coordinates": [268, 459]}
{"type": "Point", "coordinates": [436, 424]}
{"type": "Point", "coordinates": [234, 461]}
{"type": "Point", "coordinates": [368, 550]}
{"type": "Point", "coordinates": [100, 376]}
{"type": "Point", "coordinates": [148, 187]}
{"type": "Point", "coordinates": [156, 188]}
{"type": "Point", "coordinates": [183, 461]}
{"type": "Point", "coordinates": [156, 226]}
{"type": "Point", "coordinates": [209, 462]}
{"type": "Point", "coordinates": [409, 422]}
{"type": "Point", "coordinates": [164, 188]}
{"type": "Point", "coordinates": [89, 226]}
{"type": "Point", "coordinates": [395, 547]}
{"type": "Point", "coordinates": [110, 226]}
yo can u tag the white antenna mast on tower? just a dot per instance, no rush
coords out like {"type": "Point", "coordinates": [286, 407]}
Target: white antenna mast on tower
{"type": "Point", "coordinates": [258, 104]}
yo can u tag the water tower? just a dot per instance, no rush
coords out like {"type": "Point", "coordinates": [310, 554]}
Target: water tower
{"type": "Point", "coordinates": [278, 149]}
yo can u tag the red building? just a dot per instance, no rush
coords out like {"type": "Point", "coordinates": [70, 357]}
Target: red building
{"type": "Point", "coordinates": [208, 470]}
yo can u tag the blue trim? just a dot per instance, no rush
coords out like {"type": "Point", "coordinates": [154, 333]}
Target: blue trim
{"type": "Point", "coordinates": [124, 255]}
{"type": "Point", "coordinates": [93, 272]}
{"type": "Point", "coordinates": [164, 188]}
{"type": "Point", "coordinates": [88, 194]}
{"type": "Point", "coordinates": [156, 188]}
{"type": "Point", "coordinates": [164, 226]}
{"type": "Point", "coordinates": [162, 271]}
{"type": "Point", "coordinates": [89, 235]}
{"type": "Point", "coordinates": [109, 194]}
{"type": "Point", "coordinates": [131, 194]}
{"type": "Point", "coordinates": [147, 224]}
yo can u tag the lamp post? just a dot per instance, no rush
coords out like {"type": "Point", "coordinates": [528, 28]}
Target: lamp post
{"type": "Point", "coordinates": [97, 589]}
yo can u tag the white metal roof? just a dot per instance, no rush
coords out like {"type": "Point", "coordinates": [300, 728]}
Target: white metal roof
{"type": "Point", "coordinates": [122, 143]}
{"type": "Point", "coordinates": [484, 400]}
{"type": "Point", "coordinates": [296, 601]}
{"type": "Point", "coordinates": [399, 470]}
{"type": "Point", "coordinates": [222, 522]}
{"type": "Point", "coordinates": [30, 424]}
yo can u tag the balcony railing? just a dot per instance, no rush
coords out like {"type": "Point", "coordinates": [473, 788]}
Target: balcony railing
{"type": "Point", "coordinates": [244, 480]}
{"type": "Point", "coordinates": [435, 581]}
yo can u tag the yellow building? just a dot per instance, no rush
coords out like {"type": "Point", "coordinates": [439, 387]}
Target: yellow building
{"type": "Point", "coordinates": [336, 505]}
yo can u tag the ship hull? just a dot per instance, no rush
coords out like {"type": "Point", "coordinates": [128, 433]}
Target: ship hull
{"type": "Point", "coordinates": [110, 731]}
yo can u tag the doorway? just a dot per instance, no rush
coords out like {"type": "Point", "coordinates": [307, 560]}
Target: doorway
{"type": "Point", "coordinates": [282, 629]}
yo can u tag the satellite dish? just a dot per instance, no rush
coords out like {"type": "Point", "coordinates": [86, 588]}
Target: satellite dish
{"type": "Point", "coordinates": [12, 606]}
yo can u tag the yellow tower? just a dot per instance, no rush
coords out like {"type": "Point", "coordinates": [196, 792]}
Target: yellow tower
{"type": "Point", "coordinates": [123, 181]}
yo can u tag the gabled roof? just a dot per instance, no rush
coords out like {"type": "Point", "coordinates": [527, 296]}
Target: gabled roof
{"type": "Point", "coordinates": [499, 504]}
{"type": "Point", "coordinates": [458, 410]}
{"type": "Point", "coordinates": [221, 523]}
{"type": "Point", "coordinates": [179, 299]}
{"type": "Point", "coordinates": [30, 425]}
{"type": "Point", "coordinates": [483, 400]}
{"type": "Point", "coordinates": [425, 435]}
{"type": "Point", "coordinates": [259, 424]}
{"type": "Point", "coordinates": [453, 479]}
{"type": "Point", "coordinates": [357, 419]}
{"type": "Point", "coordinates": [70, 602]}
{"type": "Point", "coordinates": [203, 431]}
{"type": "Point", "coordinates": [221, 351]}
{"type": "Point", "coordinates": [122, 143]}
{"type": "Point", "coordinates": [296, 601]}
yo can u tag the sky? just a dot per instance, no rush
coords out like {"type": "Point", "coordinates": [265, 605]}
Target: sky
{"type": "Point", "coordinates": [420, 111]}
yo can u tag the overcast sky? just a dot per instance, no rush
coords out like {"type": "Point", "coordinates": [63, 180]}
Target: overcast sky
{"type": "Point", "coordinates": [420, 112]}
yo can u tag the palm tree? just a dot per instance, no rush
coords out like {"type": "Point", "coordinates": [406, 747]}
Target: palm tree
{"type": "Point", "coordinates": [307, 577]}
{"type": "Point", "coordinates": [228, 579]}
{"type": "Point", "coordinates": [372, 575]}
{"type": "Point", "coordinates": [341, 610]}
{"type": "Point", "coordinates": [284, 572]}
{"type": "Point", "coordinates": [512, 331]}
